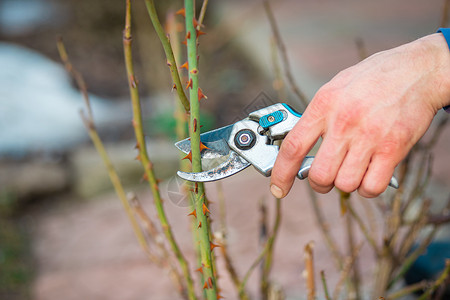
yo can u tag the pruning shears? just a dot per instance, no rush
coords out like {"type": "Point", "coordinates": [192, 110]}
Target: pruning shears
{"type": "Point", "coordinates": [251, 141]}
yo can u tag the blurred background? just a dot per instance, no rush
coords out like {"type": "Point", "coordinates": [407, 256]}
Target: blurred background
{"type": "Point", "coordinates": [63, 233]}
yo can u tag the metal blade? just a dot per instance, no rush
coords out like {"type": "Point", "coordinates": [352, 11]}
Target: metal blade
{"type": "Point", "coordinates": [215, 140]}
{"type": "Point", "coordinates": [233, 165]}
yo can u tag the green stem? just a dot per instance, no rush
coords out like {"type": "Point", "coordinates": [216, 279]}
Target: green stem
{"type": "Point", "coordinates": [168, 51]}
{"type": "Point", "coordinates": [194, 132]}
{"type": "Point", "coordinates": [143, 154]}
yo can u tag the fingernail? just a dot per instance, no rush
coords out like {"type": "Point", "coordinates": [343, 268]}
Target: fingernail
{"type": "Point", "coordinates": [276, 191]}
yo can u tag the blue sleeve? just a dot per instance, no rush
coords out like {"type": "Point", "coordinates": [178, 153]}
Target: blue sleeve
{"type": "Point", "coordinates": [446, 33]}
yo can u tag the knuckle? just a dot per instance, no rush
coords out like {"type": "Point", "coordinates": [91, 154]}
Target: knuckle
{"type": "Point", "coordinates": [389, 148]}
{"type": "Point", "coordinates": [323, 98]}
{"type": "Point", "coordinates": [371, 190]}
{"type": "Point", "coordinates": [346, 183]}
{"type": "Point", "coordinates": [346, 120]}
{"type": "Point", "coordinates": [320, 189]}
{"type": "Point", "coordinates": [320, 176]}
{"type": "Point", "coordinates": [291, 147]}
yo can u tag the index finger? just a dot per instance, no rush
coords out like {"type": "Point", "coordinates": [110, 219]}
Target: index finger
{"type": "Point", "coordinates": [293, 150]}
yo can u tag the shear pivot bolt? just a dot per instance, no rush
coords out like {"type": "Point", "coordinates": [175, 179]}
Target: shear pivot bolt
{"type": "Point", "coordinates": [245, 139]}
{"type": "Point", "coordinates": [271, 119]}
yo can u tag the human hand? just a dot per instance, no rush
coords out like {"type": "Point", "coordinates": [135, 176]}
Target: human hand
{"type": "Point", "coordinates": [369, 117]}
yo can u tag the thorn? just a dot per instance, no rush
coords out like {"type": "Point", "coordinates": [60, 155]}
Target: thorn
{"type": "Point", "coordinates": [205, 286]}
{"type": "Point", "coordinates": [174, 87]}
{"type": "Point", "coordinates": [189, 84]}
{"type": "Point", "coordinates": [199, 224]}
{"type": "Point", "coordinates": [205, 209]}
{"type": "Point", "coordinates": [133, 81]}
{"type": "Point", "coordinates": [144, 177]}
{"type": "Point", "coordinates": [219, 296]}
{"type": "Point", "coordinates": [134, 123]}
{"type": "Point", "coordinates": [195, 125]}
{"type": "Point", "coordinates": [158, 181]}
{"type": "Point", "coordinates": [193, 213]}
{"type": "Point", "coordinates": [212, 246]}
{"type": "Point", "coordinates": [202, 147]}
{"type": "Point", "coordinates": [138, 157]}
{"type": "Point", "coordinates": [194, 71]}
{"type": "Point", "coordinates": [196, 188]}
{"type": "Point", "coordinates": [185, 65]}
{"type": "Point", "coordinates": [188, 35]}
{"type": "Point", "coordinates": [169, 63]}
{"type": "Point", "coordinates": [189, 156]}
{"type": "Point", "coordinates": [194, 21]}
{"type": "Point", "coordinates": [210, 282]}
{"type": "Point", "coordinates": [201, 95]}
{"type": "Point", "coordinates": [184, 42]}
{"type": "Point", "coordinates": [181, 12]}
{"type": "Point", "coordinates": [200, 270]}
{"type": "Point", "coordinates": [199, 33]}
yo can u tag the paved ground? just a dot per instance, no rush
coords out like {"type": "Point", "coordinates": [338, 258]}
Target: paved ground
{"type": "Point", "coordinates": [86, 250]}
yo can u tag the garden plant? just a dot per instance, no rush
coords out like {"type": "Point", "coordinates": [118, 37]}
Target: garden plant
{"type": "Point", "coordinates": [395, 247]}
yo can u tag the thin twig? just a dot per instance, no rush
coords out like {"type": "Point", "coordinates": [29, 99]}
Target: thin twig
{"type": "Point", "coordinates": [370, 217]}
{"type": "Point", "coordinates": [93, 134]}
{"type": "Point", "coordinates": [267, 249]}
{"type": "Point", "coordinates": [76, 75]}
{"type": "Point", "coordinates": [278, 83]}
{"type": "Point", "coordinates": [411, 258]}
{"type": "Point", "coordinates": [414, 230]}
{"type": "Point", "coordinates": [421, 180]}
{"type": "Point", "coordinates": [364, 229]}
{"type": "Point", "coordinates": [408, 290]}
{"type": "Point", "coordinates": [165, 41]}
{"type": "Point", "coordinates": [346, 270]}
{"type": "Point", "coordinates": [325, 285]}
{"type": "Point", "coordinates": [287, 67]}
{"type": "Point", "coordinates": [441, 280]}
{"type": "Point", "coordinates": [354, 278]}
{"type": "Point", "coordinates": [166, 260]}
{"type": "Point", "coordinates": [323, 226]}
{"type": "Point", "coordinates": [309, 271]}
{"type": "Point", "coordinates": [267, 264]}
{"type": "Point", "coordinates": [201, 17]}
{"type": "Point", "coordinates": [263, 284]}
{"type": "Point", "coordinates": [222, 240]}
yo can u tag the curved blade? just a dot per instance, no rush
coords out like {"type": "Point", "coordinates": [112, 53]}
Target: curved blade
{"type": "Point", "coordinates": [233, 165]}
{"type": "Point", "coordinates": [215, 140]}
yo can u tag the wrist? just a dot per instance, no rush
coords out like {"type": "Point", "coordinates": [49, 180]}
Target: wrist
{"type": "Point", "coordinates": [435, 50]}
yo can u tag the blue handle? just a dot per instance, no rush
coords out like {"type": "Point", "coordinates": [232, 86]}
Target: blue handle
{"type": "Point", "coordinates": [291, 110]}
